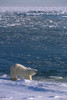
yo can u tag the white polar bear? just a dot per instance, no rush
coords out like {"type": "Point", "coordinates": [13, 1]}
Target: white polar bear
{"type": "Point", "coordinates": [20, 70]}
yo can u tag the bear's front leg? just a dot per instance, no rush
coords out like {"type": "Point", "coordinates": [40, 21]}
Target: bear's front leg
{"type": "Point", "coordinates": [30, 77]}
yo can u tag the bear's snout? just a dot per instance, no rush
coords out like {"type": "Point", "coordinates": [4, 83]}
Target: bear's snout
{"type": "Point", "coordinates": [35, 71]}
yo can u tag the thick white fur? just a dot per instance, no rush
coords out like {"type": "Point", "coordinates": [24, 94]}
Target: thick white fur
{"type": "Point", "coordinates": [20, 70]}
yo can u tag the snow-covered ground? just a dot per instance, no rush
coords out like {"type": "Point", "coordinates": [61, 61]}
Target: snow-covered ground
{"type": "Point", "coordinates": [32, 90]}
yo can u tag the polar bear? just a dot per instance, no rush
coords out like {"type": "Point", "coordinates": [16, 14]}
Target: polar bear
{"type": "Point", "coordinates": [20, 70]}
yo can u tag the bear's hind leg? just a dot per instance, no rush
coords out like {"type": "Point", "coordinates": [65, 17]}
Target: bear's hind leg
{"type": "Point", "coordinates": [13, 75]}
{"type": "Point", "coordinates": [14, 78]}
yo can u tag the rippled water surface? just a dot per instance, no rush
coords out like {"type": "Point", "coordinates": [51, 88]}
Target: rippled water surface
{"type": "Point", "coordinates": [36, 39]}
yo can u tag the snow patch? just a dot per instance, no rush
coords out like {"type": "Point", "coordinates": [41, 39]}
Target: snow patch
{"type": "Point", "coordinates": [31, 90]}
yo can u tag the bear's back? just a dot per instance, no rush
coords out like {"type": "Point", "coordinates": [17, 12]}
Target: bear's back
{"type": "Point", "coordinates": [19, 66]}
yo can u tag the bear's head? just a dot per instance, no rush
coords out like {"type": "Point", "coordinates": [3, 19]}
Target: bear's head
{"type": "Point", "coordinates": [32, 71]}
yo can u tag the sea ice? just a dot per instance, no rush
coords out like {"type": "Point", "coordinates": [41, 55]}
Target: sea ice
{"type": "Point", "coordinates": [31, 90]}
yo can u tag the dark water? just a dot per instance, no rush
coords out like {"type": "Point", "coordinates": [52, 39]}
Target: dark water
{"type": "Point", "coordinates": [36, 39]}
